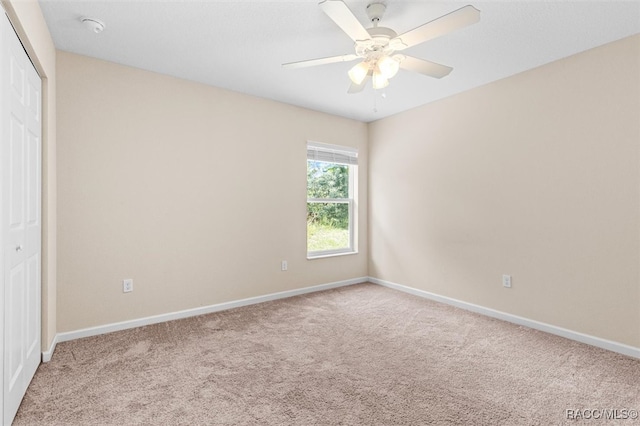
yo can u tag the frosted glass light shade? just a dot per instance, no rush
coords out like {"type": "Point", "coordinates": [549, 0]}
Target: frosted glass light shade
{"type": "Point", "coordinates": [388, 66]}
{"type": "Point", "coordinates": [358, 73]}
{"type": "Point", "coordinates": [379, 80]}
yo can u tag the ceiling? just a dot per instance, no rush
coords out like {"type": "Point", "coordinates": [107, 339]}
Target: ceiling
{"type": "Point", "coordinates": [240, 45]}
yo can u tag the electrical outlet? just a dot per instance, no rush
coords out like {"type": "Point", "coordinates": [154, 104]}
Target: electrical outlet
{"type": "Point", "coordinates": [284, 265]}
{"type": "Point", "coordinates": [506, 281]}
{"type": "Point", "coordinates": [127, 285]}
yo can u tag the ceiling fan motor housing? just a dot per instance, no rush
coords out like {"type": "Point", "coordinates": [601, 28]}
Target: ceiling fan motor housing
{"type": "Point", "coordinates": [378, 43]}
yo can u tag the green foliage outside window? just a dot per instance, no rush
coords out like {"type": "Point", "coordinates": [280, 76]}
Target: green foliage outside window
{"type": "Point", "coordinates": [327, 222]}
{"type": "Point", "coordinates": [327, 180]}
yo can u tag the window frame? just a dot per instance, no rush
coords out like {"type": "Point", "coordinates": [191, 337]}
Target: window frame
{"type": "Point", "coordinates": [352, 165]}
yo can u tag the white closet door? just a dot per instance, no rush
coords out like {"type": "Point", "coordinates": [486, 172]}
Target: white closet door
{"type": "Point", "coordinates": [20, 156]}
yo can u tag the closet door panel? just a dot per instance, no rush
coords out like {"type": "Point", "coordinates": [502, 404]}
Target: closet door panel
{"type": "Point", "coordinates": [20, 227]}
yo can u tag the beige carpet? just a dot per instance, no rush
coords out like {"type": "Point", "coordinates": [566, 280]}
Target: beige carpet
{"type": "Point", "coordinates": [359, 355]}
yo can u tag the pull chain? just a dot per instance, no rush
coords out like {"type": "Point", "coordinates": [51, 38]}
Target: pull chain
{"type": "Point", "coordinates": [383, 96]}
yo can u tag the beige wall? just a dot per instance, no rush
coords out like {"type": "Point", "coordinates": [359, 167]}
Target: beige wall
{"type": "Point", "coordinates": [536, 176]}
{"type": "Point", "coordinates": [27, 19]}
{"type": "Point", "coordinates": [195, 192]}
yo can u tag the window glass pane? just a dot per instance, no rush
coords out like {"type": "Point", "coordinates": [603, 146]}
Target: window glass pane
{"type": "Point", "coordinates": [327, 226]}
{"type": "Point", "coordinates": [327, 180]}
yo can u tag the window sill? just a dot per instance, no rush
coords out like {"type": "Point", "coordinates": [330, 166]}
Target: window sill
{"type": "Point", "coordinates": [326, 255]}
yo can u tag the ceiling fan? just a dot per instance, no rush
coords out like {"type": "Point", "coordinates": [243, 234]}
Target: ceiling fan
{"type": "Point", "coordinates": [376, 47]}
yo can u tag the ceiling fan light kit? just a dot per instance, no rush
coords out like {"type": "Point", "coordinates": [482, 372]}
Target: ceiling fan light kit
{"type": "Point", "coordinates": [376, 47]}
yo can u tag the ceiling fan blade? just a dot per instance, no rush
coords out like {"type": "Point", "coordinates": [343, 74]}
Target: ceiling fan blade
{"type": "Point", "coordinates": [321, 61]}
{"type": "Point", "coordinates": [345, 19]}
{"type": "Point", "coordinates": [427, 68]}
{"type": "Point", "coordinates": [357, 88]}
{"type": "Point", "coordinates": [445, 24]}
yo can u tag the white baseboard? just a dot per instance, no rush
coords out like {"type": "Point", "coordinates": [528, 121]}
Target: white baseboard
{"type": "Point", "coordinates": [548, 328]}
{"type": "Point", "coordinates": [559, 331]}
{"type": "Point", "coordinates": [46, 355]}
{"type": "Point", "coordinates": [124, 325]}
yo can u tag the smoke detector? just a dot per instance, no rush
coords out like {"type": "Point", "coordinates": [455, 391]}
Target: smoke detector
{"type": "Point", "coordinates": [93, 25]}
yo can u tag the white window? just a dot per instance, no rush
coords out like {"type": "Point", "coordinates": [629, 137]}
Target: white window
{"type": "Point", "coordinates": [331, 180]}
